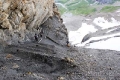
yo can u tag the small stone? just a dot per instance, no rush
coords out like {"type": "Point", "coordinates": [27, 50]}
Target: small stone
{"type": "Point", "coordinates": [15, 66]}
{"type": "Point", "coordinates": [110, 68]}
{"type": "Point", "coordinates": [29, 73]}
{"type": "Point", "coordinates": [69, 59]}
{"type": "Point", "coordinates": [9, 56]}
{"type": "Point", "coordinates": [60, 78]}
{"type": "Point", "coordinates": [68, 45]}
{"type": "Point", "coordinates": [23, 75]}
{"type": "Point", "coordinates": [69, 73]}
{"type": "Point", "coordinates": [17, 59]}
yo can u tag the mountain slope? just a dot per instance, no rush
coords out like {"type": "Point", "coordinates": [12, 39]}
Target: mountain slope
{"type": "Point", "coordinates": [81, 6]}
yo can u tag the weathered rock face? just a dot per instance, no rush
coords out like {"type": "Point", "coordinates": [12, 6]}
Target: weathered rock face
{"type": "Point", "coordinates": [21, 19]}
{"type": "Point", "coordinates": [23, 14]}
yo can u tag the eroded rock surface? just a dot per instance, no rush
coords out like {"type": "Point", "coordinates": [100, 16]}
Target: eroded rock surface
{"type": "Point", "coordinates": [20, 20]}
{"type": "Point", "coordinates": [24, 14]}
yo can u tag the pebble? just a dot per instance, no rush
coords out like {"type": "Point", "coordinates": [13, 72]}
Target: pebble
{"type": "Point", "coordinates": [60, 78]}
{"type": "Point", "coordinates": [69, 59]}
{"type": "Point", "coordinates": [9, 56]}
{"type": "Point", "coordinates": [17, 59]}
{"type": "Point", "coordinates": [29, 73]}
{"type": "Point", "coordinates": [15, 66]}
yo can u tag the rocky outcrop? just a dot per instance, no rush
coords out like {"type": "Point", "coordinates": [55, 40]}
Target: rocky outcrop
{"type": "Point", "coordinates": [20, 20]}
{"type": "Point", "coordinates": [24, 14]}
{"type": "Point", "coordinates": [54, 29]}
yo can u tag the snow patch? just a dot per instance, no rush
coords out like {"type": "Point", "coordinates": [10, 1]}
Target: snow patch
{"type": "Point", "coordinates": [97, 38]}
{"type": "Point", "coordinates": [99, 42]}
{"type": "Point", "coordinates": [76, 37]}
{"type": "Point", "coordinates": [111, 44]}
{"type": "Point", "coordinates": [111, 30]}
{"type": "Point", "coordinates": [100, 21]}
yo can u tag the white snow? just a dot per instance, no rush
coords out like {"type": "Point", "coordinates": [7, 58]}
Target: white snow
{"type": "Point", "coordinates": [111, 30]}
{"type": "Point", "coordinates": [111, 44]}
{"type": "Point", "coordinates": [100, 21]}
{"type": "Point", "coordinates": [98, 38]}
{"type": "Point", "coordinates": [87, 19]}
{"type": "Point", "coordinates": [76, 37]}
{"type": "Point", "coordinates": [118, 11]}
